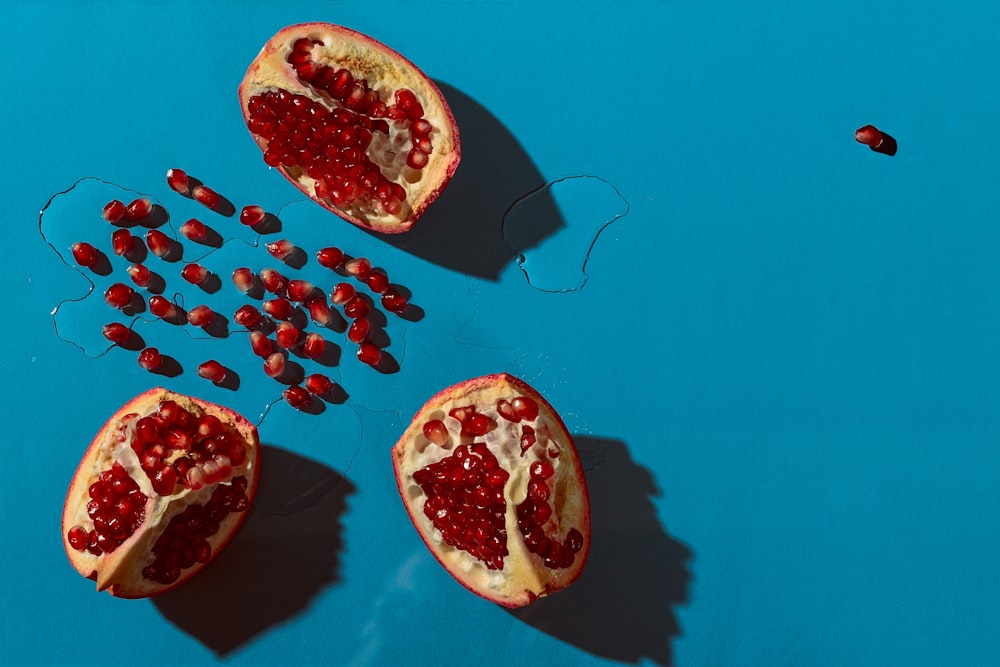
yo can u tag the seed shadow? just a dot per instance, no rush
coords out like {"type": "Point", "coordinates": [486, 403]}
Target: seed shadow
{"type": "Point", "coordinates": [461, 231]}
{"type": "Point", "coordinates": [623, 606]}
{"type": "Point", "coordinates": [286, 553]}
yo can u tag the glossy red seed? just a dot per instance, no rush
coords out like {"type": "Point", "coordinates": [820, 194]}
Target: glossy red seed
{"type": "Point", "coordinates": [140, 274]}
{"type": "Point", "coordinates": [358, 331]}
{"type": "Point", "coordinates": [194, 273]}
{"type": "Point", "coordinates": [247, 316]}
{"type": "Point", "coordinates": [299, 290]}
{"type": "Point", "coordinates": [157, 242]}
{"type": "Point", "coordinates": [212, 370]}
{"type": "Point", "coordinates": [369, 353]}
{"type": "Point", "coordinates": [118, 295]}
{"type": "Point", "coordinates": [297, 397]}
{"type": "Point", "coordinates": [85, 254]}
{"type": "Point", "coordinates": [78, 537]}
{"type": "Point", "coordinates": [869, 135]}
{"type": "Point", "coordinates": [436, 432]}
{"type": "Point", "coordinates": [194, 229]}
{"type": "Point", "coordinates": [393, 301]}
{"type": "Point", "coordinates": [279, 308]}
{"type": "Point", "coordinates": [416, 159]}
{"type": "Point", "coordinates": [243, 279]}
{"type": "Point", "coordinates": [113, 211]}
{"type": "Point", "coordinates": [251, 215]}
{"type": "Point", "coordinates": [177, 179]}
{"type": "Point", "coordinates": [274, 364]}
{"type": "Point", "coordinates": [150, 359]}
{"type": "Point", "coordinates": [541, 470]}
{"type": "Point", "coordinates": [286, 335]}
{"type": "Point", "coordinates": [506, 410]}
{"type": "Point", "coordinates": [526, 408]}
{"type": "Point", "coordinates": [378, 281]}
{"type": "Point", "coordinates": [356, 307]}
{"type": "Point", "coordinates": [206, 196]}
{"type": "Point", "coordinates": [318, 384]}
{"type": "Point", "coordinates": [281, 248]}
{"type": "Point", "coordinates": [342, 293]}
{"type": "Point", "coordinates": [161, 306]}
{"type": "Point", "coordinates": [261, 344]}
{"type": "Point", "coordinates": [476, 424]}
{"type": "Point", "coordinates": [116, 332]}
{"type": "Point", "coordinates": [273, 281]}
{"type": "Point", "coordinates": [359, 267]}
{"type": "Point", "coordinates": [330, 257]}
{"type": "Point", "coordinates": [200, 316]}
{"type": "Point", "coordinates": [313, 345]}
{"type": "Point", "coordinates": [121, 242]}
{"type": "Point", "coordinates": [138, 208]}
{"type": "Point", "coordinates": [319, 311]}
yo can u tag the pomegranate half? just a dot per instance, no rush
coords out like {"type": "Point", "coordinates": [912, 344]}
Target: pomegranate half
{"type": "Point", "coordinates": [164, 485]}
{"type": "Point", "coordinates": [493, 484]}
{"type": "Point", "coordinates": [351, 123]}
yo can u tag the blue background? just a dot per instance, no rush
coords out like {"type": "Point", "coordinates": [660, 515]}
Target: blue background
{"type": "Point", "coordinates": [776, 348]}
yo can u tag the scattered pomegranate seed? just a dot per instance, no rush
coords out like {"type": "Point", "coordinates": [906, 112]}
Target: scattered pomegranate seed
{"type": "Point", "coordinates": [113, 211]}
{"type": "Point", "coordinates": [273, 281]}
{"type": "Point", "coordinates": [358, 330]}
{"type": "Point", "coordinates": [286, 335]}
{"type": "Point", "coordinates": [300, 290]}
{"type": "Point", "coordinates": [331, 257]}
{"type": "Point", "coordinates": [200, 316]}
{"type": "Point", "coordinates": [274, 364]}
{"type": "Point", "coordinates": [318, 384]}
{"type": "Point", "coordinates": [342, 293]}
{"type": "Point", "coordinates": [313, 345]}
{"type": "Point", "coordinates": [869, 135]}
{"type": "Point", "coordinates": [84, 254]}
{"type": "Point", "coordinates": [436, 432]}
{"type": "Point", "coordinates": [138, 208]}
{"type": "Point", "coordinates": [359, 267]}
{"type": "Point", "coordinates": [157, 242]}
{"type": "Point", "coordinates": [378, 281]}
{"type": "Point", "coordinates": [297, 397]}
{"type": "Point", "coordinates": [243, 279]}
{"type": "Point", "coordinates": [393, 301]}
{"type": "Point", "coordinates": [161, 306]}
{"type": "Point", "coordinates": [150, 358]}
{"type": "Point", "coordinates": [212, 370]}
{"type": "Point", "coordinates": [281, 248]}
{"type": "Point", "coordinates": [177, 179]}
{"type": "Point", "coordinates": [278, 308]}
{"type": "Point", "coordinates": [319, 311]}
{"type": "Point", "coordinates": [251, 215]}
{"type": "Point", "coordinates": [369, 353]}
{"type": "Point", "coordinates": [116, 332]}
{"type": "Point", "coordinates": [206, 196]}
{"type": "Point", "coordinates": [194, 273]}
{"type": "Point", "coordinates": [248, 316]}
{"type": "Point", "coordinates": [140, 274]}
{"type": "Point", "coordinates": [119, 295]}
{"type": "Point", "coordinates": [261, 344]}
{"type": "Point", "coordinates": [121, 242]}
{"type": "Point", "coordinates": [356, 307]}
{"type": "Point", "coordinates": [194, 229]}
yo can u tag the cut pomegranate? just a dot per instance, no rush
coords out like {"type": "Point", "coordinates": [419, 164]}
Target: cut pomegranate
{"type": "Point", "coordinates": [511, 523]}
{"type": "Point", "coordinates": [162, 488]}
{"type": "Point", "coordinates": [351, 123]}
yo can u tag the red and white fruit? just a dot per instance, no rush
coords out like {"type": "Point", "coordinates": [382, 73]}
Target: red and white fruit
{"type": "Point", "coordinates": [164, 485]}
{"type": "Point", "coordinates": [494, 486]}
{"type": "Point", "coordinates": [352, 123]}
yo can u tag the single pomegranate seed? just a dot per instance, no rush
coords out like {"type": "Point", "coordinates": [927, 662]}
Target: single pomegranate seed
{"type": "Point", "coordinates": [319, 311]}
{"type": "Point", "coordinates": [476, 424]}
{"type": "Point", "coordinates": [161, 306]}
{"type": "Point", "coordinates": [121, 242]}
{"type": "Point", "coordinates": [138, 209]}
{"type": "Point", "coordinates": [286, 335]}
{"type": "Point", "coordinates": [177, 179]}
{"type": "Point", "coordinates": [140, 274]}
{"type": "Point", "coordinates": [150, 358]}
{"type": "Point", "coordinates": [78, 538]}
{"type": "Point", "coordinates": [274, 364]}
{"type": "Point", "coordinates": [342, 293]}
{"type": "Point", "coordinates": [281, 248]}
{"type": "Point", "coordinates": [526, 408]}
{"type": "Point", "coordinates": [247, 316]}
{"type": "Point", "coordinates": [116, 332]}
{"type": "Point", "coordinates": [194, 229]}
{"type": "Point", "coordinates": [369, 353]}
{"type": "Point", "coordinates": [541, 470]}
{"type": "Point", "coordinates": [300, 290]}
{"type": "Point", "coordinates": [506, 410]}
{"type": "Point", "coordinates": [212, 370]}
{"type": "Point", "coordinates": [358, 331]}
{"type": "Point", "coordinates": [297, 397]}
{"type": "Point", "coordinates": [313, 345]}
{"type": "Point", "coordinates": [331, 257]}
{"type": "Point", "coordinates": [869, 135]}
{"type": "Point", "coordinates": [393, 301]}
{"type": "Point", "coordinates": [278, 308]}
{"type": "Point", "coordinates": [251, 215]}
{"type": "Point", "coordinates": [200, 316]}
{"type": "Point", "coordinates": [194, 273]}
{"type": "Point", "coordinates": [436, 432]}
{"type": "Point", "coordinates": [318, 384]}
{"type": "Point", "coordinates": [416, 159]}
{"type": "Point", "coordinates": [85, 254]}
{"type": "Point", "coordinates": [261, 344]}
{"type": "Point", "coordinates": [356, 307]}
{"type": "Point", "coordinates": [113, 211]}
{"type": "Point", "coordinates": [378, 281]}
{"type": "Point", "coordinates": [243, 279]}
{"type": "Point", "coordinates": [359, 267]}
{"type": "Point", "coordinates": [119, 295]}
{"type": "Point", "coordinates": [206, 196]}
{"type": "Point", "coordinates": [421, 127]}
{"type": "Point", "coordinates": [157, 242]}
{"type": "Point", "coordinates": [273, 281]}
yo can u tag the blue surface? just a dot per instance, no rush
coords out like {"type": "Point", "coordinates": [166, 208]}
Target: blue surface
{"type": "Point", "coordinates": [777, 348]}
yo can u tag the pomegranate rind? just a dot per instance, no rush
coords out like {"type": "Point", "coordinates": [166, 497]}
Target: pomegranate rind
{"type": "Point", "coordinates": [120, 572]}
{"type": "Point", "coordinates": [384, 68]}
{"type": "Point", "coordinates": [524, 577]}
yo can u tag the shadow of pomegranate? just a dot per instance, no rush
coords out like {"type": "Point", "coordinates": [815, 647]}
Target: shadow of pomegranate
{"type": "Point", "coordinates": [462, 229]}
{"type": "Point", "coordinates": [622, 607]}
{"type": "Point", "coordinates": [287, 551]}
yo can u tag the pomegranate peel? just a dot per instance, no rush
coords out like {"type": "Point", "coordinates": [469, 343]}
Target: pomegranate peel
{"type": "Point", "coordinates": [150, 504]}
{"type": "Point", "coordinates": [498, 495]}
{"type": "Point", "coordinates": [351, 123]}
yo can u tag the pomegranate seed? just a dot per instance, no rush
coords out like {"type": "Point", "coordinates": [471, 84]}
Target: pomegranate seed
{"type": "Point", "coordinates": [393, 301]}
{"type": "Point", "coordinates": [200, 316]}
{"type": "Point", "coordinates": [330, 257]}
{"type": "Point", "coordinates": [477, 424]}
{"type": "Point", "coordinates": [279, 308]}
{"type": "Point", "coordinates": [212, 370]}
{"type": "Point", "coordinates": [157, 242]}
{"type": "Point", "coordinates": [194, 273]}
{"type": "Point", "coordinates": [248, 316]}
{"type": "Point", "coordinates": [280, 249]}
{"type": "Point", "coordinates": [416, 159]}
{"type": "Point", "coordinates": [297, 397]}
{"type": "Point", "coordinates": [119, 295]}
{"type": "Point", "coordinates": [194, 229]}
{"type": "Point", "coordinates": [526, 408]}
{"type": "Point", "coordinates": [358, 330]}
{"type": "Point", "coordinates": [274, 364]}
{"type": "Point", "coordinates": [273, 281]}
{"type": "Point", "coordinates": [162, 307]}
{"type": "Point", "coordinates": [150, 358]}
{"type": "Point", "coordinates": [378, 281]}
{"type": "Point", "coordinates": [121, 241]}
{"type": "Point", "coordinates": [138, 209]}
{"type": "Point", "coordinates": [541, 470]}
{"type": "Point", "coordinates": [177, 179]}
{"type": "Point", "coordinates": [85, 254]}
{"type": "Point", "coordinates": [421, 127]}
{"type": "Point", "coordinates": [359, 267]}
{"type": "Point", "coordinates": [506, 410]}
{"type": "Point", "coordinates": [436, 432]}
{"type": "Point", "coordinates": [113, 211]}
{"type": "Point", "coordinates": [286, 335]}
{"type": "Point", "coordinates": [356, 307]}
{"type": "Point", "coordinates": [869, 135]}
{"type": "Point", "coordinates": [369, 353]}
{"type": "Point", "coordinates": [116, 332]}
{"type": "Point", "coordinates": [314, 345]}
{"type": "Point", "coordinates": [261, 344]}
{"type": "Point", "coordinates": [300, 290]}
{"type": "Point", "coordinates": [140, 274]}
{"type": "Point", "coordinates": [342, 293]}
{"type": "Point", "coordinates": [206, 196]}
{"type": "Point", "coordinates": [78, 537]}
{"type": "Point", "coordinates": [318, 384]}
{"type": "Point", "coordinates": [243, 279]}
{"type": "Point", "coordinates": [319, 311]}
{"type": "Point", "coordinates": [251, 215]}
